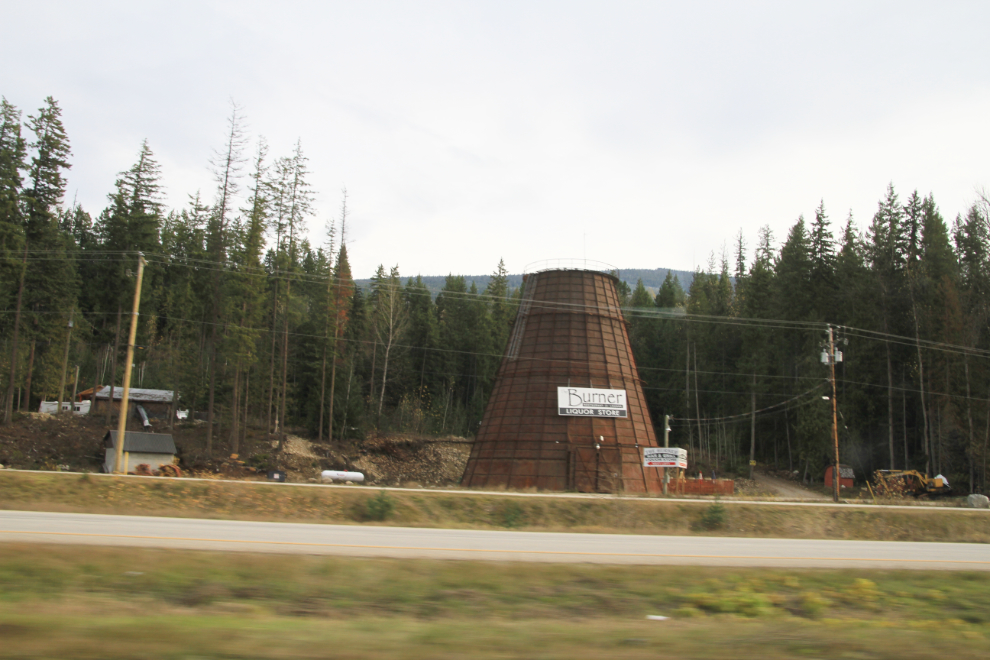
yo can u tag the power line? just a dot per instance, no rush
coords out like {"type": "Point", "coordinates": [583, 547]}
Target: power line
{"type": "Point", "coordinates": [749, 414]}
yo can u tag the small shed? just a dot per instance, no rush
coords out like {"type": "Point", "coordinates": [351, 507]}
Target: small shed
{"type": "Point", "coordinates": [155, 449]}
{"type": "Point", "coordinates": [156, 403]}
{"type": "Point", "coordinates": [846, 476]}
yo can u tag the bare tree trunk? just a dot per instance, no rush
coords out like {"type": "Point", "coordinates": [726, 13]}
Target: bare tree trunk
{"type": "Point", "coordinates": [890, 407]}
{"type": "Point", "coordinates": [787, 431]}
{"type": "Point", "coordinates": [752, 429]}
{"type": "Point", "coordinates": [247, 407]}
{"type": "Point", "coordinates": [347, 401]}
{"type": "Point", "coordinates": [235, 428]}
{"type": "Point", "coordinates": [326, 337]}
{"type": "Point", "coordinates": [30, 373]}
{"type": "Point", "coordinates": [986, 442]}
{"type": "Point", "coordinates": [970, 454]}
{"type": "Point", "coordinates": [213, 382]}
{"type": "Point", "coordinates": [776, 462]}
{"type": "Point", "coordinates": [904, 417]}
{"type": "Point", "coordinates": [921, 386]}
{"type": "Point", "coordinates": [930, 440]}
{"type": "Point", "coordinates": [323, 387]}
{"type": "Point", "coordinates": [381, 395]}
{"type": "Point", "coordinates": [8, 407]}
{"type": "Point", "coordinates": [285, 363]}
{"type": "Point", "coordinates": [173, 407]}
{"type": "Point", "coordinates": [333, 382]}
{"type": "Point", "coordinates": [422, 372]}
{"type": "Point", "coordinates": [96, 378]}
{"type": "Point", "coordinates": [113, 365]}
{"type": "Point", "coordinates": [697, 401]}
{"type": "Point", "coordinates": [271, 370]}
{"type": "Point", "coordinates": [374, 358]}
{"type": "Point", "coordinates": [687, 395]}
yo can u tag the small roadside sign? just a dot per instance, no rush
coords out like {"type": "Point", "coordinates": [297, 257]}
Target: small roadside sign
{"type": "Point", "coordinates": [665, 457]}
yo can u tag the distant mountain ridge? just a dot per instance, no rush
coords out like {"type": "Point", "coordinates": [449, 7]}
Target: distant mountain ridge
{"type": "Point", "coordinates": [652, 279]}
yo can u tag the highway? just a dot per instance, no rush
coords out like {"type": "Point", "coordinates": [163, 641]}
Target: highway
{"type": "Point", "coordinates": [405, 542]}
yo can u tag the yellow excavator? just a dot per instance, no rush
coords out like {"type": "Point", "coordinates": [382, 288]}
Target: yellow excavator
{"type": "Point", "coordinates": [894, 483]}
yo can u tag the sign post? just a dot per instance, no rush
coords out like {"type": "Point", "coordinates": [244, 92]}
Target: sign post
{"type": "Point", "coordinates": [666, 443]}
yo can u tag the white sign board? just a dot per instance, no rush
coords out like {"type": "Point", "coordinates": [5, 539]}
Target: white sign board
{"type": "Point", "coordinates": [588, 402]}
{"type": "Point", "coordinates": [665, 457]}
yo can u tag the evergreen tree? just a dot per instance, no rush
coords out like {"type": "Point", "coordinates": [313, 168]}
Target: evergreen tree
{"type": "Point", "coordinates": [390, 321]}
{"type": "Point", "coordinates": [888, 254]}
{"type": "Point", "coordinates": [13, 248]}
{"type": "Point", "coordinates": [343, 303]}
{"type": "Point", "coordinates": [245, 291]}
{"type": "Point", "coordinates": [50, 287]}
{"type": "Point", "coordinates": [822, 267]}
{"type": "Point", "coordinates": [423, 337]}
{"type": "Point", "coordinates": [13, 154]}
{"type": "Point", "coordinates": [226, 166]}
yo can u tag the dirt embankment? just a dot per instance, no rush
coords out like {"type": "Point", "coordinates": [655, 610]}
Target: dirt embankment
{"type": "Point", "coordinates": [37, 441]}
{"type": "Point", "coordinates": [786, 488]}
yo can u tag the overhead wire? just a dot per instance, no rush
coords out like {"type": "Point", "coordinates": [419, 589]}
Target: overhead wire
{"type": "Point", "coordinates": [626, 312]}
{"type": "Point", "coordinates": [300, 276]}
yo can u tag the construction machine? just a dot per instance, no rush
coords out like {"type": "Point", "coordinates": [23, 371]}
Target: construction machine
{"type": "Point", "coordinates": [893, 483]}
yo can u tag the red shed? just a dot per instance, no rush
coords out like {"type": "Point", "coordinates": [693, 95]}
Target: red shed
{"type": "Point", "coordinates": [845, 476]}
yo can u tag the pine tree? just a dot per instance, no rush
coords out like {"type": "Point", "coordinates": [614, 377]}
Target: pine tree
{"type": "Point", "coordinates": [822, 266]}
{"type": "Point", "coordinates": [423, 339]}
{"type": "Point", "coordinates": [13, 247]}
{"type": "Point", "coordinates": [13, 154]}
{"type": "Point", "coordinates": [391, 319]}
{"type": "Point", "coordinates": [342, 306]}
{"type": "Point", "coordinates": [50, 288]}
{"type": "Point", "coordinates": [226, 166]}
{"type": "Point", "coordinates": [501, 309]}
{"type": "Point", "coordinates": [888, 252]}
{"type": "Point", "coordinates": [245, 291]}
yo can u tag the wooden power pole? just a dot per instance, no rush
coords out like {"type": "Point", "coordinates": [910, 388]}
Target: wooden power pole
{"type": "Point", "coordinates": [65, 364]}
{"type": "Point", "coordinates": [835, 422]}
{"type": "Point", "coordinates": [122, 417]}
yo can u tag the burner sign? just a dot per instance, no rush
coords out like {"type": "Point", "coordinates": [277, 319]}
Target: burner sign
{"type": "Point", "coordinates": [588, 402]}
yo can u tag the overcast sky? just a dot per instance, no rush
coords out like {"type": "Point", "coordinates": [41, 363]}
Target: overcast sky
{"type": "Point", "coordinates": [642, 134]}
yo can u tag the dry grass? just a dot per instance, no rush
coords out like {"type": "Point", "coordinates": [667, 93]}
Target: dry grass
{"type": "Point", "coordinates": [141, 603]}
{"type": "Point", "coordinates": [452, 509]}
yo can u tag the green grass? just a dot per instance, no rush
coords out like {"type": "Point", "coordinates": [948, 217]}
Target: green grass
{"type": "Point", "coordinates": [91, 602]}
{"type": "Point", "coordinates": [452, 509]}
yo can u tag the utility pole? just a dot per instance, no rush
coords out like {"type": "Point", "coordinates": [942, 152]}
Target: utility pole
{"type": "Point", "coordinates": [666, 443]}
{"type": "Point", "coordinates": [75, 388]}
{"type": "Point", "coordinates": [65, 364]}
{"type": "Point", "coordinates": [752, 430]}
{"type": "Point", "coordinates": [122, 417]}
{"type": "Point", "coordinates": [835, 422]}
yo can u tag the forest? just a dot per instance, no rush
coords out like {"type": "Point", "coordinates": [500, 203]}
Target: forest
{"type": "Point", "coordinates": [258, 325]}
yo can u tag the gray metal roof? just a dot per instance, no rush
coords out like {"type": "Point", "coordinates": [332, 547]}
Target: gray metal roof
{"type": "Point", "coordinates": [136, 394]}
{"type": "Point", "coordinates": [143, 443]}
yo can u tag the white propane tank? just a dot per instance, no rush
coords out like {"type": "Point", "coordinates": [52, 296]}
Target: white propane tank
{"type": "Point", "coordinates": [338, 475]}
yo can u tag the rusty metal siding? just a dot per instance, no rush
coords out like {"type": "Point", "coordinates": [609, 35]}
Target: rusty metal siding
{"type": "Point", "coordinates": [569, 332]}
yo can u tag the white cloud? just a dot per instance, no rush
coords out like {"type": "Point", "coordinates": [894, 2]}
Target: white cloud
{"type": "Point", "coordinates": [642, 134]}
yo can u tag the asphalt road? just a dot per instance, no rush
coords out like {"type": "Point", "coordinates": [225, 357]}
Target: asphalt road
{"type": "Point", "coordinates": [368, 541]}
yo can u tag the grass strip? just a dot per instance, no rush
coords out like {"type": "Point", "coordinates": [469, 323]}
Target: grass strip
{"type": "Point", "coordinates": [452, 509]}
{"type": "Point", "coordinates": [93, 602]}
